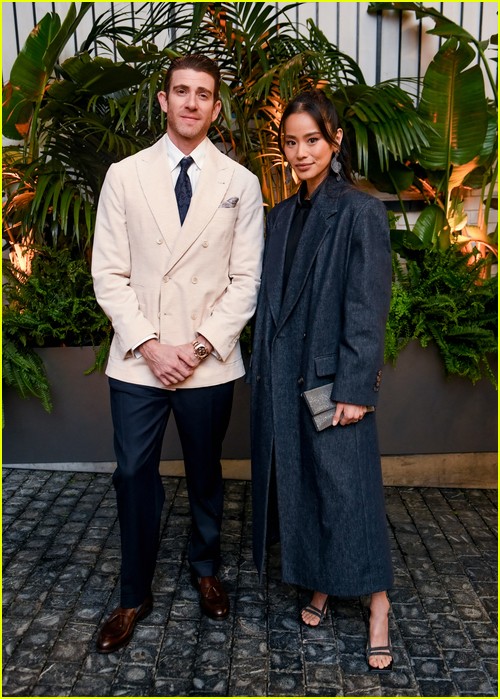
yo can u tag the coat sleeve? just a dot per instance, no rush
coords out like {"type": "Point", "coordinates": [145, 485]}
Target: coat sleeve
{"type": "Point", "coordinates": [237, 304]}
{"type": "Point", "coordinates": [111, 267]}
{"type": "Point", "coordinates": [367, 293]}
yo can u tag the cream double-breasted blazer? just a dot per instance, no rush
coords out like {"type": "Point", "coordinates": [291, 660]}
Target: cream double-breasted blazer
{"type": "Point", "coordinates": [154, 277]}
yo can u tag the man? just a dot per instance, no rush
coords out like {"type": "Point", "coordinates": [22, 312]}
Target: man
{"type": "Point", "coordinates": [176, 265]}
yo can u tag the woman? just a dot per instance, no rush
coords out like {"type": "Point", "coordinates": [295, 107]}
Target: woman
{"type": "Point", "coordinates": [320, 318]}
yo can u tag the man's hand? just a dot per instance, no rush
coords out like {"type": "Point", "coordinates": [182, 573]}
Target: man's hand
{"type": "Point", "coordinates": [170, 364]}
{"type": "Point", "coordinates": [346, 413]}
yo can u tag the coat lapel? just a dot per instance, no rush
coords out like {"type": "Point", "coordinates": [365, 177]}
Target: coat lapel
{"type": "Point", "coordinates": [319, 225]}
{"type": "Point", "coordinates": [276, 256]}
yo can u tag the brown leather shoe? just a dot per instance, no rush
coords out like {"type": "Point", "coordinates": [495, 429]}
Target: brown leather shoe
{"type": "Point", "coordinates": [214, 601]}
{"type": "Point", "coordinates": [119, 627]}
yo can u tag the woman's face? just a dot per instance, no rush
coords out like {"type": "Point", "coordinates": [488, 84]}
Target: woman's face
{"type": "Point", "coordinates": [306, 149]}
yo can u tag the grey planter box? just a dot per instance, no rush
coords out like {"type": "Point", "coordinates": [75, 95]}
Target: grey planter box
{"type": "Point", "coordinates": [420, 412]}
{"type": "Point", "coordinates": [79, 428]}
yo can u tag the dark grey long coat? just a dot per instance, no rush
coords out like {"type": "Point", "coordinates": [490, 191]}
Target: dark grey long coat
{"type": "Point", "coordinates": [330, 327]}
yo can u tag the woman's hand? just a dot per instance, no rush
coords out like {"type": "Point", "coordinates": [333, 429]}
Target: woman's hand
{"type": "Point", "coordinates": [347, 413]}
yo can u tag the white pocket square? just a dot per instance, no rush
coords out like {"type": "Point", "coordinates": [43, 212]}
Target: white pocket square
{"type": "Point", "coordinates": [229, 203]}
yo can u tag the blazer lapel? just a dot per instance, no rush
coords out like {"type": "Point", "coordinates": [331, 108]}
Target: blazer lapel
{"type": "Point", "coordinates": [155, 181]}
{"type": "Point", "coordinates": [319, 225]}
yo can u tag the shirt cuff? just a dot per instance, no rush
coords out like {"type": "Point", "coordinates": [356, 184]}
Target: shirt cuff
{"type": "Point", "coordinates": [134, 349]}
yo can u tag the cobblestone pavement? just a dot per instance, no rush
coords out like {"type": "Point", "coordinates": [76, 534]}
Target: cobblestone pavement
{"type": "Point", "coordinates": [61, 563]}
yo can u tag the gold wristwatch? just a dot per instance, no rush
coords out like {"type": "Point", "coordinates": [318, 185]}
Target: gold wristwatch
{"type": "Point", "coordinates": [200, 350]}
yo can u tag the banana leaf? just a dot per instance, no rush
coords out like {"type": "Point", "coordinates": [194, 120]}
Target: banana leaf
{"type": "Point", "coordinates": [429, 225]}
{"type": "Point", "coordinates": [101, 76]}
{"type": "Point", "coordinates": [454, 102]}
{"type": "Point", "coordinates": [34, 66]}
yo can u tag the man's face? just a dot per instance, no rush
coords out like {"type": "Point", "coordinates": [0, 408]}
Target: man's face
{"type": "Point", "coordinates": [190, 107]}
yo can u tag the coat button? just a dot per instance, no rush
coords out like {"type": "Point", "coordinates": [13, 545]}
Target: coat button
{"type": "Point", "coordinates": [300, 381]}
{"type": "Point", "coordinates": [205, 244]}
{"type": "Point", "coordinates": [159, 241]}
{"type": "Point", "coordinates": [194, 280]}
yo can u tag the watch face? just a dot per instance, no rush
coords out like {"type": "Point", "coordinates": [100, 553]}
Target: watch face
{"type": "Point", "coordinates": [201, 351]}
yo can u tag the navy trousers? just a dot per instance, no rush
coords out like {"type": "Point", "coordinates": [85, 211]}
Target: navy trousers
{"type": "Point", "coordinates": [140, 415]}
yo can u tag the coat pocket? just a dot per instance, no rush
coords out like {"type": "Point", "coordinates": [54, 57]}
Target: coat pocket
{"type": "Point", "coordinates": [326, 365]}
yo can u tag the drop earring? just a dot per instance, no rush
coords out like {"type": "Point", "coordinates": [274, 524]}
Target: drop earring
{"type": "Point", "coordinates": [336, 166]}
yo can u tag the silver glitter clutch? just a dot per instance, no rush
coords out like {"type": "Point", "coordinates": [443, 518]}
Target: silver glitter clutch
{"type": "Point", "coordinates": [321, 406]}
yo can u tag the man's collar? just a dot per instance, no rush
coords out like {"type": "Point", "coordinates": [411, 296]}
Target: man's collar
{"type": "Point", "coordinates": [175, 155]}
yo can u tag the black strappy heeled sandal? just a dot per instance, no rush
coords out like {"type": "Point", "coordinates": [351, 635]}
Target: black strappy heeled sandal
{"type": "Point", "coordinates": [320, 613]}
{"type": "Point", "coordinates": [380, 650]}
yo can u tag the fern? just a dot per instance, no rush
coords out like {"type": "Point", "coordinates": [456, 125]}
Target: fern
{"type": "Point", "coordinates": [440, 296]}
{"type": "Point", "coordinates": [24, 370]}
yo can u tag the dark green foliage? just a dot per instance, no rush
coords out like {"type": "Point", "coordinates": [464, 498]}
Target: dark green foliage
{"type": "Point", "coordinates": [442, 296]}
{"type": "Point", "coordinates": [54, 306]}
{"type": "Point", "coordinates": [23, 369]}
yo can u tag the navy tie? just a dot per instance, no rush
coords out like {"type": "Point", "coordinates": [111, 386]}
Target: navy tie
{"type": "Point", "coordinates": [183, 191]}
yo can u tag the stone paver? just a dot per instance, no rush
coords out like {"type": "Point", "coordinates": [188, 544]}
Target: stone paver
{"type": "Point", "coordinates": [60, 579]}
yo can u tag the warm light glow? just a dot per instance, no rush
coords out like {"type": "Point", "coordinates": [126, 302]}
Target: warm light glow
{"type": "Point", "coordinates": [21, 257]}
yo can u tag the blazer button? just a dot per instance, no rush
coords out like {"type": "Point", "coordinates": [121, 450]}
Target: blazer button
{"type": "Point", "coordinates": [159, 241]}
{"type": "Point", "coordinates": [194, 280]}
{"type": "Point", "coordinates": [205, 244]}
{"type": "Point", "coordinates": [300, 381]}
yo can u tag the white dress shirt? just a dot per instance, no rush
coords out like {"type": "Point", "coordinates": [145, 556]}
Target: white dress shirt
{"type": "Point", "coordinates": [175, 156]}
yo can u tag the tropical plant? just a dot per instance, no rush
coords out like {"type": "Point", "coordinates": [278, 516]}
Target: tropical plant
{"type": "Point", "coordinates": [22, 99]}
{"type": "Point", "coordinates": [462, 152]}
{"type": "Point", "coordinates": [440, 294]}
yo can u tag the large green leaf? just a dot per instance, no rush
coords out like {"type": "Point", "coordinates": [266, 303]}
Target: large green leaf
{"type": "Point", "coordinates": [29, 73]}
{"type": "Point", "coordinates": [28, 78]}
{"type": "Point", "coordinates": [34, 66]}
{"type": "Point", "coordinates": [430, 224]}
{"type": "Point", "coordinates": [100, 75]}
{"type": "Point", "coordinates": [16, 113]}
{"type": "Point", "coordinates": [454, 102]}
